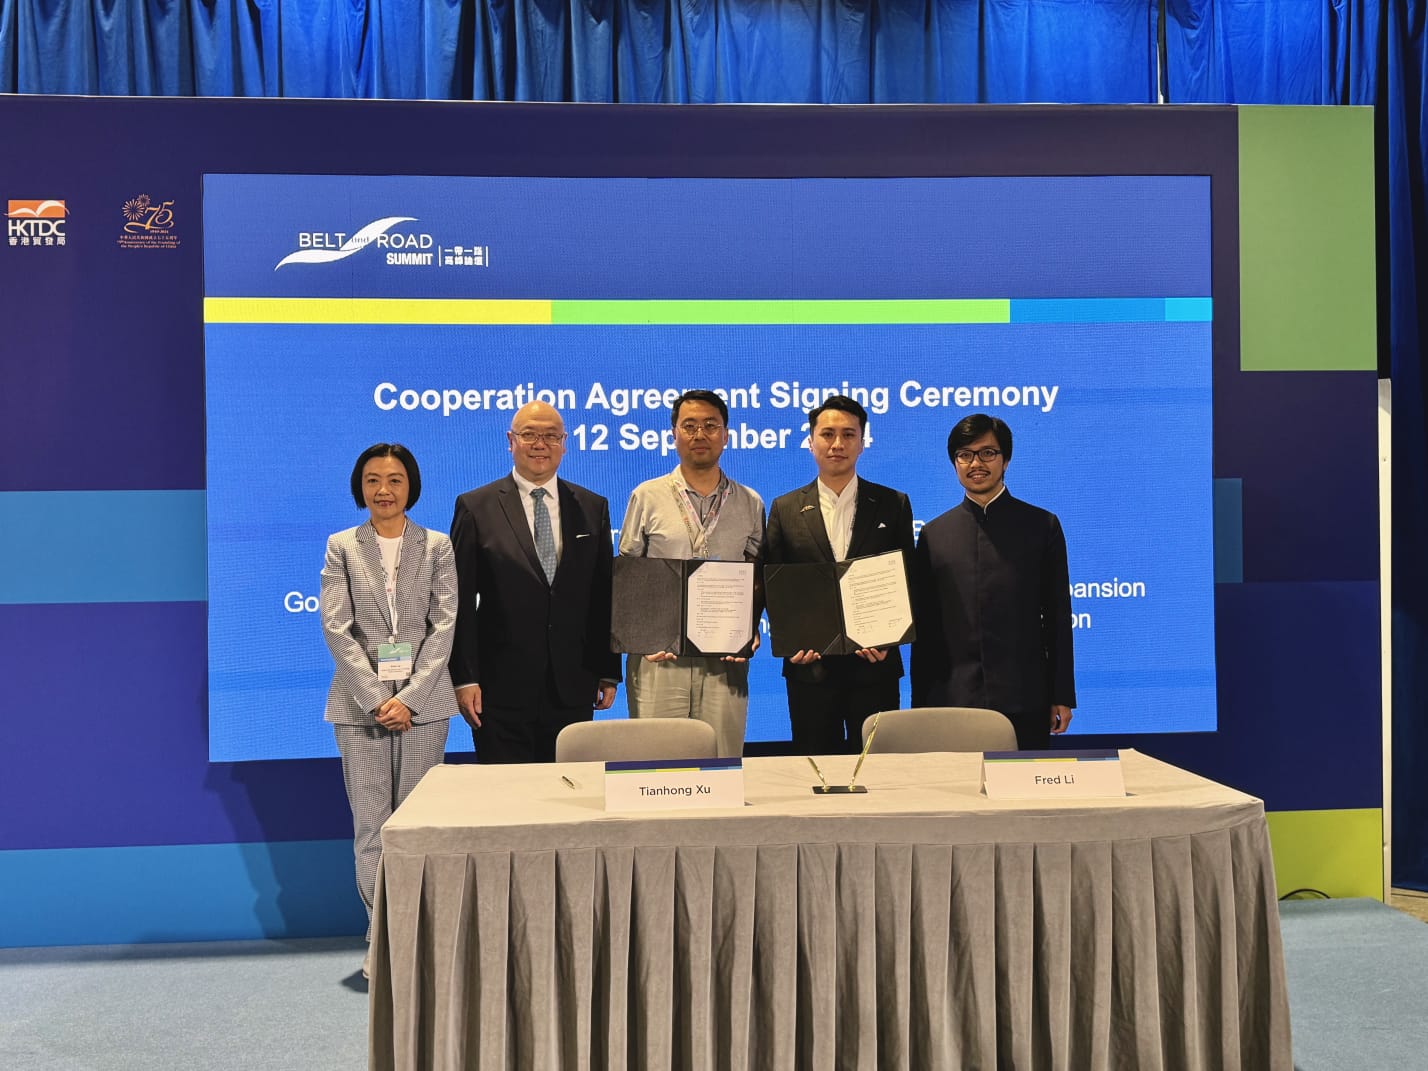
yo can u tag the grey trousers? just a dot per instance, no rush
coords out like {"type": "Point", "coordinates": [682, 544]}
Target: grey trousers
{"type": "Point", "coordinates": [380, 768]}
{"type": "Point", "coordinates": [706, 689]}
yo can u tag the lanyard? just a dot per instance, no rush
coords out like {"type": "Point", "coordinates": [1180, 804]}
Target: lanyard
{"type": "Point", "coordinates": [699, 540]}
{"type": "Point", "coordinates": [389, 581]}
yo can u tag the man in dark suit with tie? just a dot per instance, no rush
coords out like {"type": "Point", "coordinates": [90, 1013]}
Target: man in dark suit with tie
{"type": "Point", "coordinates": [533, 559]}
{"type": "Point", "coordinates": [836, 517]}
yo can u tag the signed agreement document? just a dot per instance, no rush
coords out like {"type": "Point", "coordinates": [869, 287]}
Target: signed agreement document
{"type": "Point", "coordinates": [719, 603]}
{"type": "Point", "coordinates": [684, 607]}
{"type": "Point", "coordinates": [839, 607]}
{"type": "Point", "coordinates": [876, 608]}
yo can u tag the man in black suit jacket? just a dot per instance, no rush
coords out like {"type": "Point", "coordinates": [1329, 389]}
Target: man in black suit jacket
{"type": "Point", "coordinates": [994, 598]}
{"type": "Point", "coordinates": [836, 517]}
{"type": "Point", "coordinates": [533, 558]}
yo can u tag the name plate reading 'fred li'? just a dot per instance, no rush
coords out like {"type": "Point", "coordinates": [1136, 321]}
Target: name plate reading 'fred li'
{"type": "Point", "coordinates": [674, 784]}
{"type": "Point", "coordinates": [1052, 775]}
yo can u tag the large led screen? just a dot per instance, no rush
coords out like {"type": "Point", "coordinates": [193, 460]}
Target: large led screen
{"type": "Point", "coordinates": [342, 311]}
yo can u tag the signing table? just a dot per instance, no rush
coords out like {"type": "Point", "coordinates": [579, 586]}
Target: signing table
{"type": "Point", "coordinates": [518, 925]}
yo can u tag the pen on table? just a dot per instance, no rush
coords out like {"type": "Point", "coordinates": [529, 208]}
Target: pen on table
{"type": "Point", "coordinates": [568, 781]}
{"type": "Point", "coordinates": [818, 772]}
{"type": "Point", "coordinates": [866, 744]}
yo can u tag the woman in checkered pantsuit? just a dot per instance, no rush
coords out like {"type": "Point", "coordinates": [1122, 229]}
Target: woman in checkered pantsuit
{"type": "Point", "coordinates": [388, 611]}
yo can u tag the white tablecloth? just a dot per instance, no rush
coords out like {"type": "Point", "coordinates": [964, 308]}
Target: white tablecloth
{"type": "Point", "coordinates": [517, 925]}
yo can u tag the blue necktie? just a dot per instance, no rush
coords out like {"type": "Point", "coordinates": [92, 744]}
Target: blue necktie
{"type": "Point", "coordinates": [544, 535]}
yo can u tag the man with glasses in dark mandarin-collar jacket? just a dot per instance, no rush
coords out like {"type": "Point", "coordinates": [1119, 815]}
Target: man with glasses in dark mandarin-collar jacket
{"type": "Point", "coordinates": [993, 597]}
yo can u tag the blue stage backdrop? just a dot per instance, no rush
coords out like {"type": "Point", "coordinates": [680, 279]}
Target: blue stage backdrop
{"type": "Point", "coordinates": [184, 413]}
{"type": "Point", "coordinates": [1068, 306]}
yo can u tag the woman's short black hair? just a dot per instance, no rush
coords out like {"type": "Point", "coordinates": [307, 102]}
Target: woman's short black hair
{"type": "Point", "coordinates": [402, 454]}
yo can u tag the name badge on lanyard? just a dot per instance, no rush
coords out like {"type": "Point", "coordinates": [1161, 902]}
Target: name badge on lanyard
{"type": "Point", "coordinates": [701, 529]}
{"type": "Point", "coordinates": [394, 661]}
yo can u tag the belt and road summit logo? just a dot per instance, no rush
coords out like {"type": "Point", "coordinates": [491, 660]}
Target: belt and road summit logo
{"type": "Point", "coordinates": [148, 225]}
{"type": "Point", "coordinates": [403, 247]}
{"type": "Point", "coordinates": [32, 223]}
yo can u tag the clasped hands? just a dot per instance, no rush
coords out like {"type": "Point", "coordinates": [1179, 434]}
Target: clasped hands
{"type": "Point", "coordinates": [394, 715]}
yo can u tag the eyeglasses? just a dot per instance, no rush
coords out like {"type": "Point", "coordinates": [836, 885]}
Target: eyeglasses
{"type": "Point", "coordinates": [986, 453]}
{"type": "Point", "coordinates": [530, 438]}
{"type": "Point", "coordinates": [689, 429]}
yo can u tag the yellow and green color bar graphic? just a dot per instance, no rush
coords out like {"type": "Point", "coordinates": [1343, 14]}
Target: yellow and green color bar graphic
{"type": "Point", "coordinates": [242, 310]}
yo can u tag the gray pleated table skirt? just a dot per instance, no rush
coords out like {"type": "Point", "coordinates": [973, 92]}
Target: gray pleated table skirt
{"type": "Point", "coordinates": [518, 925]}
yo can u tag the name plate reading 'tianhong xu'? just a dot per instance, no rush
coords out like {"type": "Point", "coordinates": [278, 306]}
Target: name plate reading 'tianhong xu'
{"type": "Point", "coordinates": [1052, 775]}
{"type": "Point", "coordinates": [674, 784]}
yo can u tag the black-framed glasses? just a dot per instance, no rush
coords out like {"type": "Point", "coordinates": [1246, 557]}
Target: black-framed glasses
{"type": "Point", "coordinates": [530, 438]}
{"type": "Point", "coordinates": [986, 453]}
{"type": "Point", "coordinates": [689, 429]}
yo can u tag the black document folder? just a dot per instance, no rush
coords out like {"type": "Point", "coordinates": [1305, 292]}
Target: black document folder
{"type": "Point", "coordinates": [806, 611]}
{"type": "Point", "coordinates": [651, 610]}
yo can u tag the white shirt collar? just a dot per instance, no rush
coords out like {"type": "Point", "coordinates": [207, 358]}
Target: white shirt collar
{"type": "Point", "coordinates": [850, 490]}
{"type": "Point", "coordinates": [527, 487]}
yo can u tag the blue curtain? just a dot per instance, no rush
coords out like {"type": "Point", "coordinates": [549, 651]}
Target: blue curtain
{"type": "Point", "coordinates": [1248, 52]}
{"type": "Point", "coordinates": [640, 51]}
{"type": "Point", "coordinates": [841, 51]}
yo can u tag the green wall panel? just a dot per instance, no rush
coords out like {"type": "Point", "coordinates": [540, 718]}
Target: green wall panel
{"type": "Point", "coordinates": [1307, 294]}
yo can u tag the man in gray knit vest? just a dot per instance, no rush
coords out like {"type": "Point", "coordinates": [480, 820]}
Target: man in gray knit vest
{"type": "Point", "coordinates": [694, 512]}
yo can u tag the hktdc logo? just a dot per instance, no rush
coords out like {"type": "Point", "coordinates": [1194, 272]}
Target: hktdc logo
{"type": "Point", "coordinates": [35, 223]}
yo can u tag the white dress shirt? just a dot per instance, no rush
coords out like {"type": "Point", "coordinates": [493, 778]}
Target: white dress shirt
{"type": "Point", "coordinates": [552, 504]}
{"type": "Point", "coordinates": [838, 510]}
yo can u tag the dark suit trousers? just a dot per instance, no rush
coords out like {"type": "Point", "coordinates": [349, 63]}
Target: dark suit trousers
{"type": "Point", "coordinates": [827, 718]}
{"type": "Point", "coordinates": [1033, 729]}
{"type": "Point", "coordinates": [525, 734]}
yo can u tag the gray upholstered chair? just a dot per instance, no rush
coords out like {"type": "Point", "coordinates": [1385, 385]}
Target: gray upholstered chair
{"type": "Point", "coordinates": [636, 738]}
{"type": "Point", "coordinates": [942, 729]}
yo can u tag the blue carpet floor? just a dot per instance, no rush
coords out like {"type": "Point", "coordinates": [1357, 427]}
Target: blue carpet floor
{"type": "Point", "coordinates": [1358, 985]}
{"type": "Point", "coordinates": [255, 1005]}
{"type": "Point", "coordinates": [1358, 975]}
